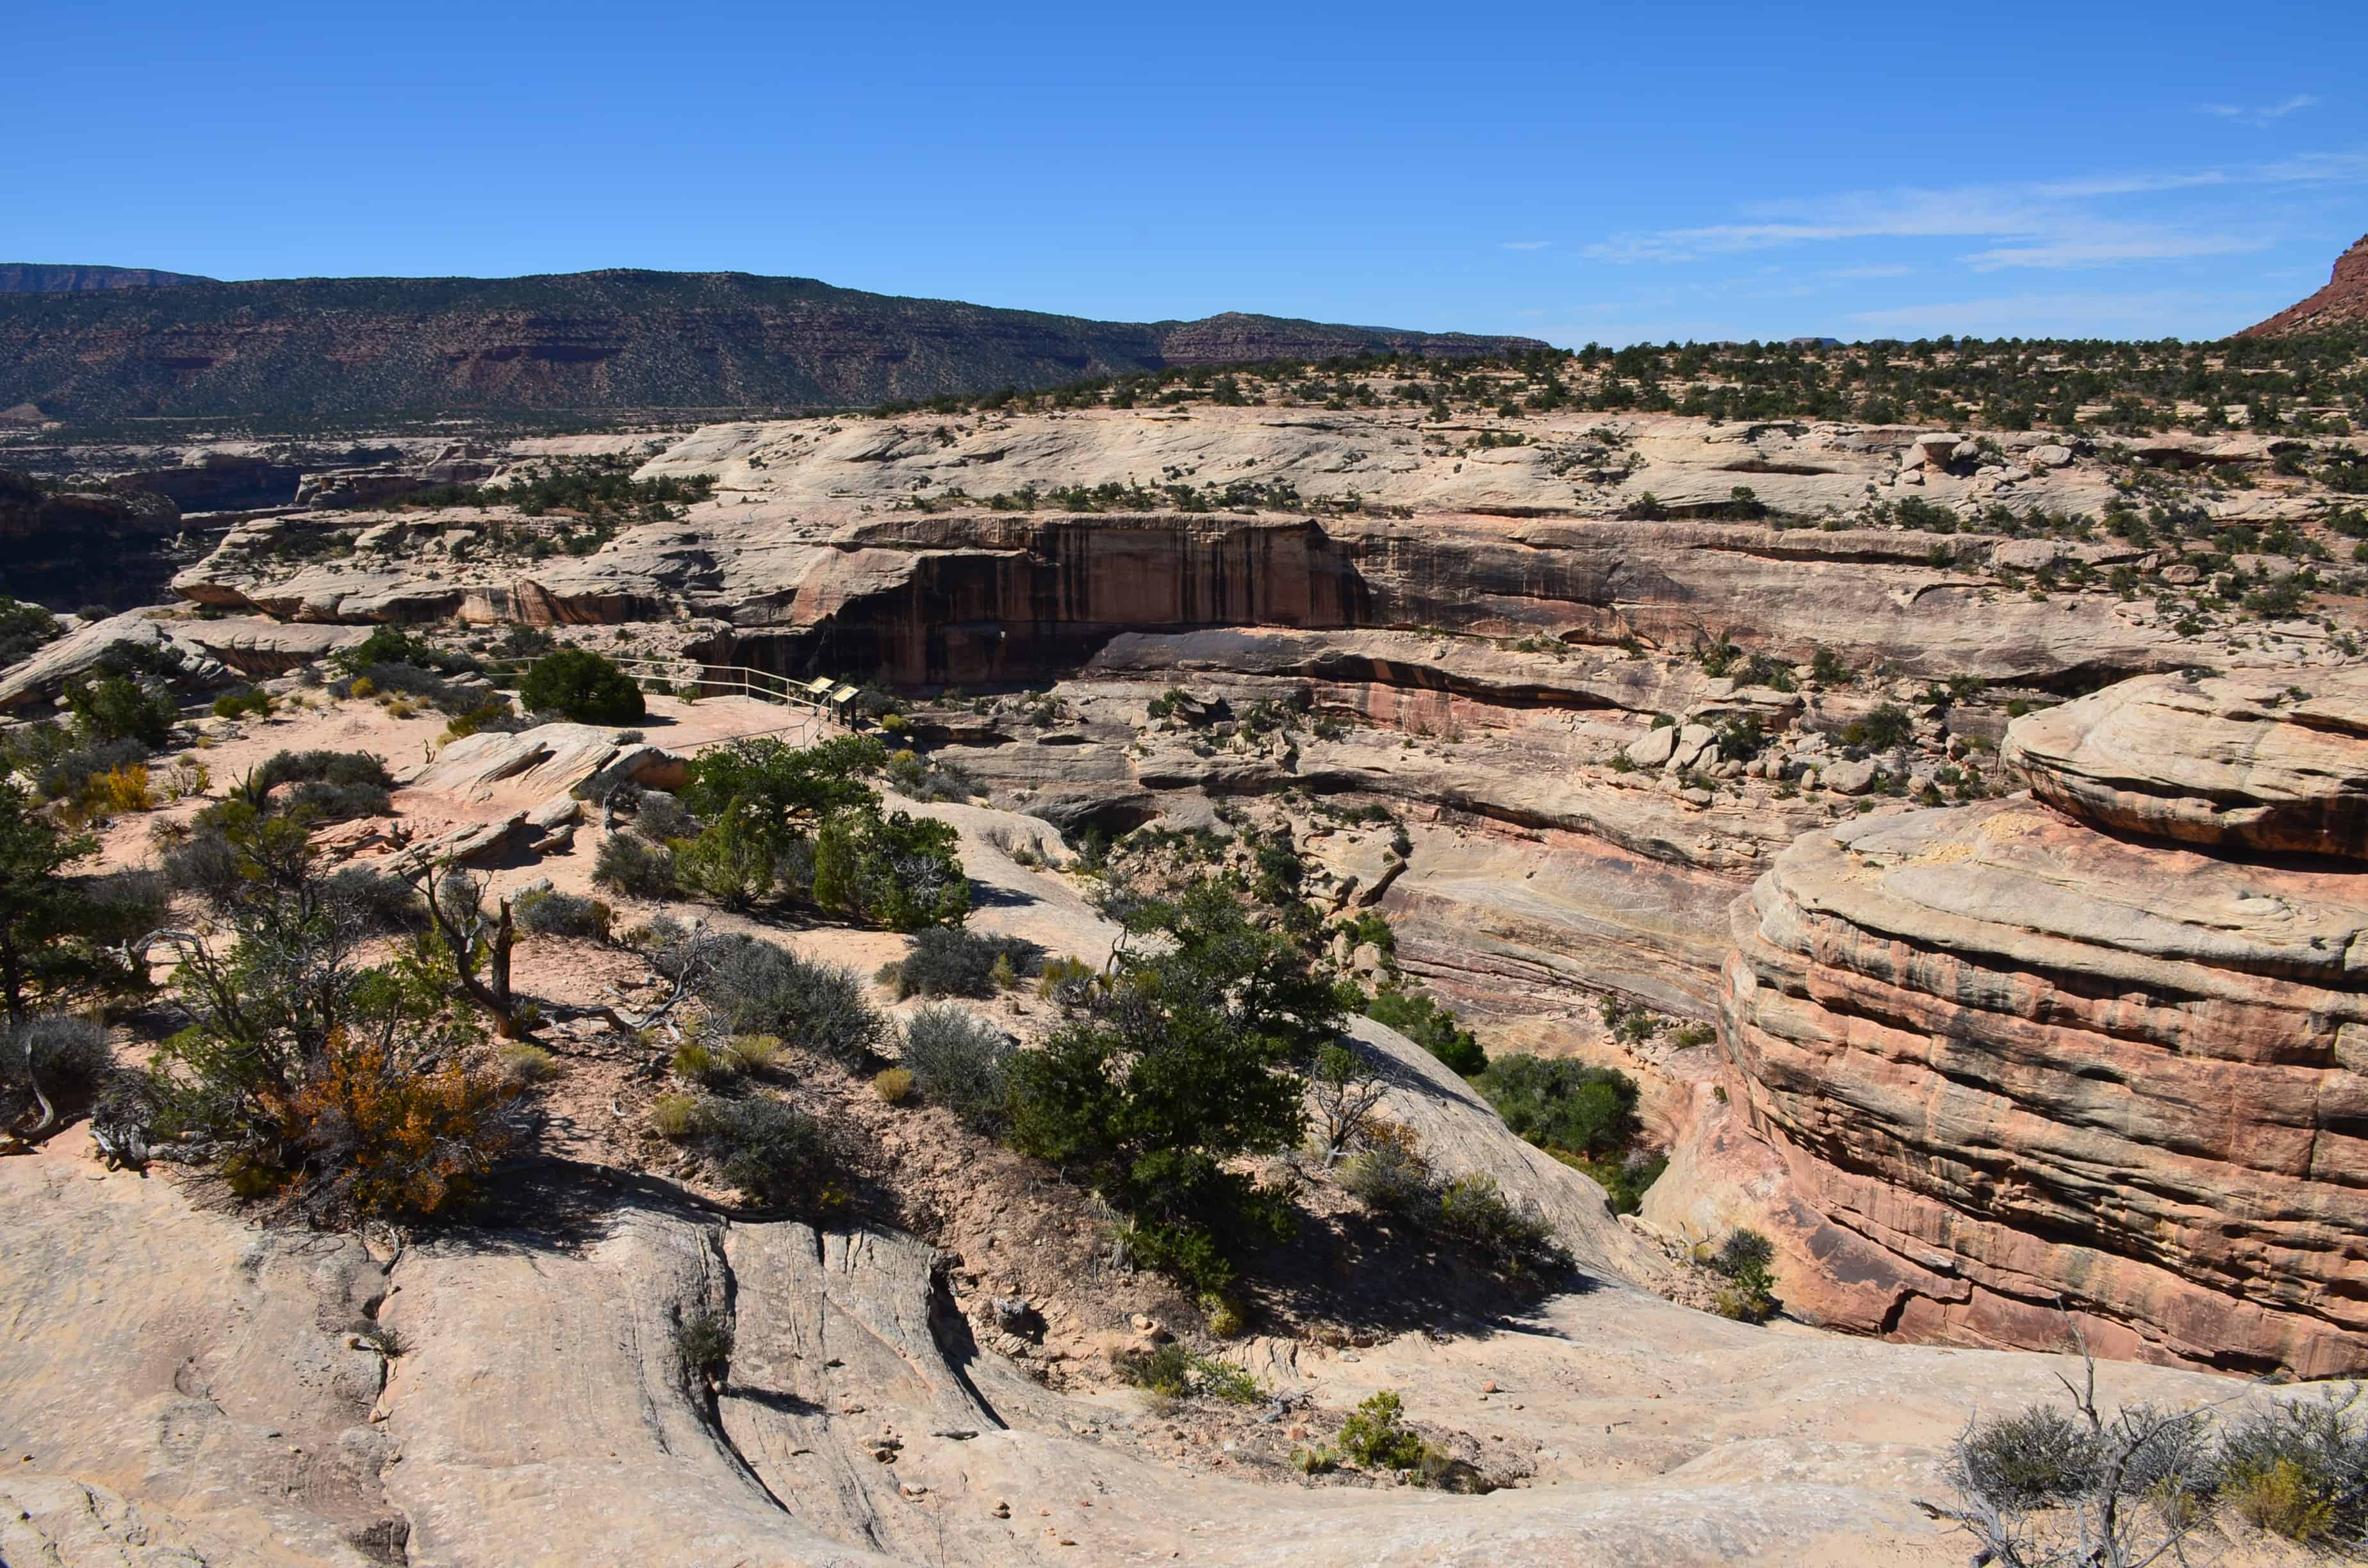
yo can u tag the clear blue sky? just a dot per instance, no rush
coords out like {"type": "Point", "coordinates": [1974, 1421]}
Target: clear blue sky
{"type": "Point", "coordinates": [1570, 171]}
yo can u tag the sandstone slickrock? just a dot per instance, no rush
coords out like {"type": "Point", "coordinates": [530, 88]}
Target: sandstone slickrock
{"type": "Point", "coordinates": [189, 1398]}
{"type": "Point", "coordinates": [176, 1363]}
{"type": "Point", "coordinates": [2254, 761]}
{"type": "Point", "coordinates": [254, 645]}
{"type": "Point", "coordinates": [549, 759]}
{"type": "Point", "coordinates": [79, 654]}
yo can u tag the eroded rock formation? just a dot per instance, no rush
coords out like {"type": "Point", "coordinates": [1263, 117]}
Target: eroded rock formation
{"type": "Point", "coordinates": [2254, 762]}
{"type": "Point", "coordinates": [2342, 304]}
{"type": "Point", "coordinates": [2016, 1060]}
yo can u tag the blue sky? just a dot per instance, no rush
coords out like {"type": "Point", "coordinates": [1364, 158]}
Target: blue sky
{"type": "Point", "coordinates": [1573, 172]}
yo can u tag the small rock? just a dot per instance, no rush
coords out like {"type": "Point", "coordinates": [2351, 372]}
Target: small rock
{"type": "Point", "coordinates": [1653, 749]}
{"type": "Point", "coordinates": [2051, 456]}
{"type": "Point", "coordinates": [1015, 1315]}
{"type": "Point", "coordinates": [1849, 777]}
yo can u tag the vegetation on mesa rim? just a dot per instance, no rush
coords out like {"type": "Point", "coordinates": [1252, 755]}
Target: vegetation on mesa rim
{"type": "Point", "coordinates": [2004, 385]}
{"type": "Point", "coordinates": [644, 342]}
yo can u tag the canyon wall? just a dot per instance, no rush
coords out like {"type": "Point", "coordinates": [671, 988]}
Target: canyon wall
{"type": "Point", "coordinates": [2014, 1062]}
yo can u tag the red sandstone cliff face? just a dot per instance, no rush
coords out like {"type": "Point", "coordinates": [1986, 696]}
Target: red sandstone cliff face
{"type": "Point", "coordinates": [2011, 1064]}
{"type": "Point", "coordinates": [967, 598]}
{"type": "Point", "coordinates": [2342, 304]}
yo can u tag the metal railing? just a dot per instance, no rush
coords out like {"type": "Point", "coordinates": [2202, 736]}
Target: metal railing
{"type": "Point", "coordinates": [824, 701]}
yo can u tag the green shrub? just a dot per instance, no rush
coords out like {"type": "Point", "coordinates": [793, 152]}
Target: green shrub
{"type": "Point", "coordinates": [1389, 1179]}
{"type": "Point", "coordinates": [893, 1084]}
{"type": "Point", "coordinates": [1561, 1104]}
{"type": "Point", "coordinates": [24, 626]}
{"type": "Point", "coordinates": [2299, 1468]}
{"type": "Point", "coordinates": [315, 802]}
{"type": "Point", "coordinates": [1377, 1437]}
{"type": "Point", "coordinates": [381, 905]}
{"type": "Point", "coordinates": [562, 914]}
{"type": "Point", "coordinates": [751, 1052]}
{"type": "Point", "coordinates": [1889, 726]}
{"type": "Point", "coordinates": [1469, 1212]}
{"type": "Point", "coordinates": [2033, 1458]}
{"type": "Point", "coordinates": [1174, 1372]}
{"type": "Point", "coordinates": [919, 778]}
{"type": "Point", "coordinates": [945, 961]}
{"type": "Point", "coordinates": [1185, 1062]}
{"type": "Point", "coordinates": [730, 860]}
{"type": "Point", "coordinates": [675, 1116]}
{"type": "Point", "coordinates": [1749, 1293]}
{"type": "Point", "coordinates": [959, 1061]}
{"type": "Point", "coordinates": [344, 769]}
{"type": "Point", "coordinates": [66, 775]}
{"type": "Point", "coordinates": [526, 1063]}
{"type": "Point", "coordinates": [66, 1057]}
{"type": "Point", "coordinates": [774, 1154]}
{"type": "Point", "coordinates": [633, 865]}
{"type": "Point", "coordinates": [117, 708]}
{"type": "Point", "coordinates": [1069, 981]}
{"type": "Point", "coordinates": [1623, 1178]}
{"type": "Point", "coordinates": [704, 1343]}
{"type": "Point", "coordinates": [661, 818]}
{"type": "Point", "coordinates": [758, 988]}
{"type": "Point", "coordinates": [246, 699]}
{"type": "Point", "coordinates": [1422, 1020]}
{"type": "Point", "coordinates": [1509, 1240]}
{"type": "Point", "coordinates": [898, 870]}
{"type": "Point", "coordinates": [577, 684]}
{"type": "Point", "coordinates": [394, 645]}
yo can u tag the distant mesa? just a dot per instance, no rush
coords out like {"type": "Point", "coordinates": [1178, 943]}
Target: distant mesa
{"type": "Point", "coordinates": [708, 344]}
{"type": "Point", "coordinates": [51, 278]}
{"type": "Point", "coordinates": [2342, 304]}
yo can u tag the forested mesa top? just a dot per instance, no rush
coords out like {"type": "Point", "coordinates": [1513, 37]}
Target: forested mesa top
{"type": "Point", "coordinates": [609, 340]}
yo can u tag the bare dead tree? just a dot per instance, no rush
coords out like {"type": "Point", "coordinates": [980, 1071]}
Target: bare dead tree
{"type": "Point", "coordinates": [479, 941]}
{"type": "Point", "coordinates": [2042, 1489]}
{"type": "Point", "coordinates": [1345, 1087]}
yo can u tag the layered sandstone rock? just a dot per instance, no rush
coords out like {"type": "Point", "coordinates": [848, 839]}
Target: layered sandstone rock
{"type": "Point", "coordinates": [2257, 762]}
{"type": "Point", "coordinates": [857, 544]}
{"type": "Point", "coordinates": [2014, 1065]}
{"type": "Point", "coordinates": [139, 637]}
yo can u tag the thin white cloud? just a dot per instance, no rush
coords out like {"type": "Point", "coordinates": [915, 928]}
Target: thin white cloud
{"type": "Point", "coordinates": [1527, 245]}
{"type": "Point", "coordinates": [2107, 246]}
{"type": "Point", "coordinates": [2261, 114]}
{"type": "Point", "coordinates": [2086, 313]}
{"type": "Point", "coordinates": [2045, 223]}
